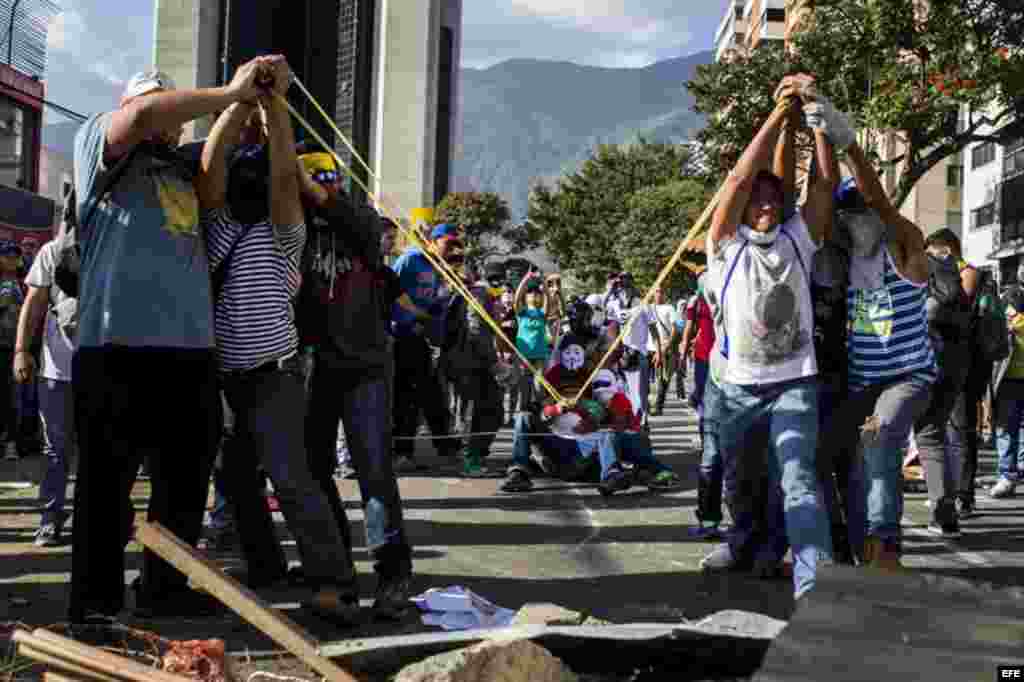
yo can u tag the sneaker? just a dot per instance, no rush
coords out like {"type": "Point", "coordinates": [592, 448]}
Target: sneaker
{"type": "Point", "coordinates": [339, 605]}
{"type": "Point", "coordinates": [616, 481]}
{"type": "Point", "coordinates": [1004, 487]}
{"type": "Point", "coordinates": [11, 451]}
{"type": "Point", "coordinates": [48, 535]}
{"type": "Point", "coordinates": [706, 530]}
{"type": "Point", "coordinates": [518, 481]}
{"type": "Point", "coordinates": [392, 599]}
{"type": "Point", "coordinates": [473, 466]}
{"type": "Point", "coordinates": [965, 508]}
{"type": "Point", "coordinates": [664, 481]}
{"type": "Point", "coordinates": [720, 559]}
{"type": "Point", "coordinates": [946, 531]}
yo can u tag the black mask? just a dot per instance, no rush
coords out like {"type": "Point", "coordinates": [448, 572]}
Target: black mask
{"type": "Point", "coordinates": [249, 184]}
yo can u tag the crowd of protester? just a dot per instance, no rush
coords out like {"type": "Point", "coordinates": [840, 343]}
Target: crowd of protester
{"type": "Point", "coordinates": [224, 311]}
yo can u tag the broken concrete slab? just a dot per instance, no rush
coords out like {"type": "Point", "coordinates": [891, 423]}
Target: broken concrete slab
{"type": "Point", "coordinates": [508, 661]}
{"type": "Point", "coordinates": [547, 614]}
{"type": "Point", "coordinates": [746, 623]}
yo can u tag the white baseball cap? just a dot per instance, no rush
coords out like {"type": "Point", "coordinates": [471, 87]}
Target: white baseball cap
{"type": "Point", "coordinates": [145, 82]}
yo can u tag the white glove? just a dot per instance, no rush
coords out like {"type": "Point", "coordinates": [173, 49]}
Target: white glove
{"type": "Point", "coordinates": [822, 115]}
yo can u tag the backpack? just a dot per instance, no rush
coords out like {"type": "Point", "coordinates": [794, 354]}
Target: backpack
{"type": "Point", "coordinates": [949, 309]}
{"type": "Point", "coordinates": [988, 327]}
{"type": "Point", "coordinates": [468, 343]}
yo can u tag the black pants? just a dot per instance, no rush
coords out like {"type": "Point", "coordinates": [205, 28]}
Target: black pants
{"type": "Point", "coordinates": [361, 403]}
{"type": "Point", "coordinates": [163, 402]}
{"type": "Point", "coordinates": [930, 429]}
{"type": "Point", "coordinates": [418, 387]}
{"type": "Point", "coordinates": [965, 420]}
{"type": "Point", "coordinates": [480, 408]}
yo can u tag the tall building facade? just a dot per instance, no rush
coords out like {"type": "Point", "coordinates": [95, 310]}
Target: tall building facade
{"type": "Point", "coordinates": [936, 200]}
{"type": "Point", "coordinates": [385, 71]}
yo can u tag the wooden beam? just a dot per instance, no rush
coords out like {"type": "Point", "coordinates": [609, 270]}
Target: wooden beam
{"type": "Point", "coordinates": [60, 666]}
{"type": "Point", "coordinates": [239, 599]}
{"type": "Point", "coordinates": [83, 655]}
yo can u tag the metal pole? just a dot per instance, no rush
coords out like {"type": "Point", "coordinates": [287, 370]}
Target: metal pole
{"type": "Point", "coordinates": [10, 33]}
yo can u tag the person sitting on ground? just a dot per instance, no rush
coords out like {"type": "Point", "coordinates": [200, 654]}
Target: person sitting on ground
{"type": "Point", "coordinates": [759, 291]}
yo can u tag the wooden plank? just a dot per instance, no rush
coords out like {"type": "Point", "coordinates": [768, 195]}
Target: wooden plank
{"type": "Point", "coordinates": [92, 658]}
{"type": "Point", "coordinates": [51, 676]}
{"type": "Point", "coordinates": [55, 664]}
{"type": "Point", "coordinates": [239, 599]}
{"type": "Point", "coordinates": [866, 625]}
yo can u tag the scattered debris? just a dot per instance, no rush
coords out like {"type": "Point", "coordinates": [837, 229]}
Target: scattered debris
{"type": "Point", "coordinates": [202, 659]}
{"type": "Point", "coordinates": [510, 661]}
{"type": "Point", "coordinates": [458, 608]}
{"type": "Point", "coordinates": [547, 614]}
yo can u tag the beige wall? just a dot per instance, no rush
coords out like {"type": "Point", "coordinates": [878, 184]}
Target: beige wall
{"type": "Point", "coordinates": [185, 47]}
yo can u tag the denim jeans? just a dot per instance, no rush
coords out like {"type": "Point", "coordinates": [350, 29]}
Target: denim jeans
{"type": "Point", "coordinates": [710, 472]}
{"type": "Point", "coordinates": [57, 409]}
{"type": "Point", "coordinates": [270, 422]}
{"type": "Point", "coordinates": [564, 451]}
{"type": "Point", "coordinates": [788, 413]}
{"type": "Point", "coordinates": [360, 402]}
{"type": "Point", "coordinates": [875, 488]}
{"type": "Point", "coordinates": [635, 448]}
{"type": "Point", "coordinates": [1009, 421]}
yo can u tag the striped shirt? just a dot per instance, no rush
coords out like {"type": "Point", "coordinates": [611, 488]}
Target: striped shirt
{"type": "Point", "coordinates": [253, 316]}
{"type": "Point", "coordinates": [888, 330]}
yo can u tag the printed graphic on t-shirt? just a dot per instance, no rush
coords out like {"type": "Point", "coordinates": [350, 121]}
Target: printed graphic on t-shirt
{"type": "Point", "coordinates": [179, 201]}
{"type": "Point", "coordinates": [774, 333]}
{"type": "Point", "coordinates": [872, 312]}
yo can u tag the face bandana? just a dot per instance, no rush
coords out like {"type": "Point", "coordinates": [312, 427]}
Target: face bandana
{"type": "Point", "coordinates": [866, 232]}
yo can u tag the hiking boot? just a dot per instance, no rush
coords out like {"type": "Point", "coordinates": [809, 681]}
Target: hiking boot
{"type": "Point", "coordinates": [616, 481]}
{"type": "Point", "coordinates": [392, 599]}
{"type": "Point", "coordinates": [337, 604]}
{"type": "Point", "coordinates": [518, 481]}
{"type": "Point", "coordinates": [473, 466]}
{"type": "Point", "coordinates": [1004, 487]}
{"type": "Point", "coordinates": [882, 554]}
{"type": "Point", "coordinates": [664, 481]}
{"type": "Point", "coordinates": [720, 559]}
{"type": "Point", "coordinates": [706, 530]}
{"type": "Point", "coordinates": [48, 535]}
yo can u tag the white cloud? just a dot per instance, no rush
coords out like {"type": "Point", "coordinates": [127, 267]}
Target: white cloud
{"type": "Point", "coordinates": [597, 16]}
{"type": "Point", "coordinates": [66, 31]}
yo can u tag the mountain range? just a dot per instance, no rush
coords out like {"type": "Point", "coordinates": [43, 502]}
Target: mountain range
{"type": "Point", "coordinates": [527, 121]}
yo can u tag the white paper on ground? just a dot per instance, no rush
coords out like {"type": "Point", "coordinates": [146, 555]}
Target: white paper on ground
{"type": "Point", "coordinates": [458, 608]}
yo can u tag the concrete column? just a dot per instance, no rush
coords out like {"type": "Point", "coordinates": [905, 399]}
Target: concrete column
{"type": "Point", "coordinates": [185, 46]}
{"type": "Point", "coordinates": [406, 102]}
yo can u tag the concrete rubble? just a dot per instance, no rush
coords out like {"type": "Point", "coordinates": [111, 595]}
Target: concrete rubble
{"type": "Point", "coordinates": [496, 661]}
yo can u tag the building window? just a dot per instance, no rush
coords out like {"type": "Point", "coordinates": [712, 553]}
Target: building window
{"type": "Point", "coordinates": [982, 154]}
{"type": "Point", "coordinates": [954, 219]}
{"type": "Point", "coordinates": [739, 11]}
{"type": "Point", "coordinates": [954, 176]}
{"type": "Point", "coordinates": [983, 216]}
{"type": "Point", "coordinates": [775, 14]}
{"type": "Point", "coordinates": [1013, 162]}
{"type": "Point", "coordinates": [17, 135]}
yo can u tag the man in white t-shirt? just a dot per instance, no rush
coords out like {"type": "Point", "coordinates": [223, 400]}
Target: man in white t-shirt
{"type": "Point", "coordinates": [56, 403]}
{"type": "Point", "coordinates": [664, 360]}
{"type": "Point", "coordinates": [759, 290]}
{"type": "Point", "coordinates": [624, 304]}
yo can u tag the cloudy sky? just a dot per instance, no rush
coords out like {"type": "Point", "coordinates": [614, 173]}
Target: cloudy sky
{"type": "Point", "coordinates": [95, 45]}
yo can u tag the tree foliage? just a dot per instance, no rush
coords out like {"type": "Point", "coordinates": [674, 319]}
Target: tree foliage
{"type": "Point", "coordinates": [583, 217]}
{"type": "Point", "coordinates": [895, 65]}
{"type": "Point", "coordinates": [485, 221]}
{"type": "Point", "coordinates": [659, 218]}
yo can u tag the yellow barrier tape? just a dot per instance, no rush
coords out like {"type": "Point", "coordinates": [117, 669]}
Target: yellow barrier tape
{"type": "Point", "coordinates": [436, 262]}
{"type": "Point", "coordinates": [780, 109]}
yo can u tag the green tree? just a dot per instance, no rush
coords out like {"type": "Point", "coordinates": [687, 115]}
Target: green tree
{"type": "Point", "coordinates": [581, 217]}
{"type": "Point", "coordinates": [894, 67]}
{"type": "Point", "coordinates": [485, 220]}
{"type": "Point", "coordinates": [659, 218]}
